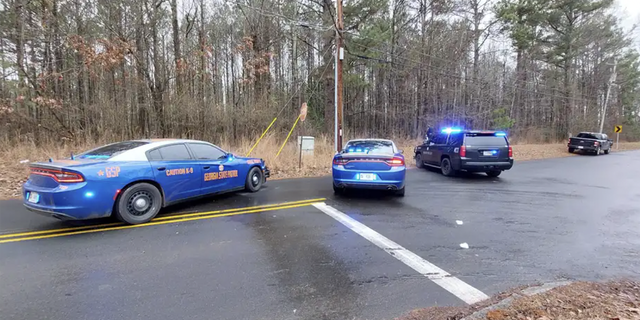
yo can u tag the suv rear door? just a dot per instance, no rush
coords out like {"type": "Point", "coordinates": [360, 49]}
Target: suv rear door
{"type": "Point", "coordinates": [486, 147]}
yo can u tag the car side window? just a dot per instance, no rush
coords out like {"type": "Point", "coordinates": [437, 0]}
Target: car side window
{"type": "Point", "coordinates": [154, 155]}
{"type": "Point", "coordinates": [440, 139]}
{"type": "Point", "coordinates": [175, 152]}
{"type": "Point", "coordinates": [206, 152]}
{"type": "Point", "coordinates": [454, 140]}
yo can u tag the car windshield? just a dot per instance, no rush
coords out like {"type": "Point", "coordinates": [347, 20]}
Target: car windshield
{"type": "Point", "coordinates": [370, 147]}
{"type": "Point", "coordinates": [111, 150]}
{"type": "Point", "coordinates": [485, 140]}
{"type": "Point", "coordinates": [587, 135]}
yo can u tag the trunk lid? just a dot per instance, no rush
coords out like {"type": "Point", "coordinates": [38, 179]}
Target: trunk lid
{"type": "Point", "coordinates": [367, 162]}
{"type": "Point", "coordinates": [42, 174]}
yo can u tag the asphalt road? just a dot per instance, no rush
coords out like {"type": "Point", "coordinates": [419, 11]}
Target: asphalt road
{"type": "Point", "coordinates": [572, 218]}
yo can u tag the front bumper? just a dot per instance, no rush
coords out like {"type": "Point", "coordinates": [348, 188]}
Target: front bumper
{"type": "Point", "coordinates": [267, 173]}
{"type": "Point", "coordinates": [476, 166]}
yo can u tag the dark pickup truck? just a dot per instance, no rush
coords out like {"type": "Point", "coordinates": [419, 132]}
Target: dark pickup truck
{"type": "Point", "coordinates": [591, 142]}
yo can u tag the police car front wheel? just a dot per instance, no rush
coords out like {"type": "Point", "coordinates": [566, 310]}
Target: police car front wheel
{"type": "Point", "coordinates": [255, 179]}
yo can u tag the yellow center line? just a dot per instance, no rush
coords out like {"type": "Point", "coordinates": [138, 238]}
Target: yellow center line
{"type": "Point", "coordinates": [156, 223]}
{"type": "Point", "coordinates": [170, 217]}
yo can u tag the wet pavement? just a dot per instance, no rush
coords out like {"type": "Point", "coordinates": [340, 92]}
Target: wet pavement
{"type": "Point", "coordinates": [573, 218]}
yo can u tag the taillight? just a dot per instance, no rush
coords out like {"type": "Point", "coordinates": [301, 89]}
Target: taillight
{"type": "Point", "coordinates": [510, 152]}
{"type": "Point", "coordinates": [396, 162]}
{"type": "Point", "coordinates": [463, 151]}
{"type": "Point", "coordinates": [339, 161]}
{"type": "Point", "coordinates": [596, 143]}
{"type": "Point", "coordinates": [58, 175]}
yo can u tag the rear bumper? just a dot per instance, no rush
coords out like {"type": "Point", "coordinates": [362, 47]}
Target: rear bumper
{"type": "Point", "coordinates": [73, 203]}
{"type": "Point", "coordinates": [385, 180]}
{"type": "Point", "coordinates": [369, 186]}
{"type": "Point", "coordinates": [476, 166]}
{"type": "Point", "coordinates": [49, 213]}
{"type": "Point", "coordinates": [583, 147]}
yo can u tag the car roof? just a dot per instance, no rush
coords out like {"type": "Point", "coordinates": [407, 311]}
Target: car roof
{"type": "Point", "coordinates": [370, 139]}
{"type": "Point", "coordinates": [140, 153]}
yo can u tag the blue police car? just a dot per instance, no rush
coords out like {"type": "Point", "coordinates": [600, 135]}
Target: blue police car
{"type": "Point", "coordinates": [369, 164]}
{"type": "Point", "coordinates": [133, 180]}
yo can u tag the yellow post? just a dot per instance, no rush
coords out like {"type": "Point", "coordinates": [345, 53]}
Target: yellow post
{"type": "Point", "coordinates": [265, 131]}
{"type": "Point", "coordinates": [285, 140]}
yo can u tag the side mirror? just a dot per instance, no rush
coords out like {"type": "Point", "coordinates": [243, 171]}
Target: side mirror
{"type": "Point", "coordinates": [401, 151]}
{"type": "Point", "coordinates": [230, 156]}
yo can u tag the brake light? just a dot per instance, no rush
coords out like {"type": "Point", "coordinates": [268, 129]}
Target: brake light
{"type": "Point", "coordinates": [510, 152]}
{"type": "Point", "coordinates": [58, 175]}
{"type": "Point", "coordinates": [339, 161]}
{"type": "Point", "coordinates": [596, 143]}
{"type": "Point", "coordinates": [396, 162]}
{"type": "Point", "coordinates": [463, 151]}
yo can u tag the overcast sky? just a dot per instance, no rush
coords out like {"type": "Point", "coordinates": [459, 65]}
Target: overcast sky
{"type": "Point", "coordinates": [629, 11]}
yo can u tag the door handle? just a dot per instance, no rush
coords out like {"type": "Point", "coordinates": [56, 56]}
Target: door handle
{"type": "Point", "coordinates": [161, 168]}
{"type": "Point", "coordinates": [206, 168]}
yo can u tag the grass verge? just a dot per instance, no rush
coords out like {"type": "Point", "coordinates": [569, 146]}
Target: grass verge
{"type": "Point", "coordinates": [14, 158]}
{"type": "Point", "coordinates": [576, 301]}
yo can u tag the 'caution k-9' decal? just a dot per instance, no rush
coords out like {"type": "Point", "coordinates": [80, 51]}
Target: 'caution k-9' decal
{"type": "Point", "coordinates": [179, 171]}
{"type": "Point", "coordinates": [220, 175]}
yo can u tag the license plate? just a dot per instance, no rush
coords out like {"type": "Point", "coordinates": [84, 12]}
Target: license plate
{"type": "Point", "coordinates": [34, 197]}
{"type": "Point", "coordinates": [367, 176]}
{"type": "Point", "coordinates": [580, 147]}
{"type": "Point", "coordinates": [487, 153]}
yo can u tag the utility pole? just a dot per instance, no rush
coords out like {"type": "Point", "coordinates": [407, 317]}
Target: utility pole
{"type": "Point", "coordinates": [606, 98]}
{"type": "Point", "coordinates": [338, 77]}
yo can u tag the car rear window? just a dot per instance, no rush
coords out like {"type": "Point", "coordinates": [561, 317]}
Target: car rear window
{"type": "Point", "coordinates": [370, 147]}
{"type": "Point", "coordinates": [587, 135]}
{"type": "Point", "coordinates": [111, 150]}
{"type": "Point", "coordinates": [485, 141]}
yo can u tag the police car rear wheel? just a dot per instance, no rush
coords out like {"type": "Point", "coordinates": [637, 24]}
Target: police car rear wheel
{"type": "Point", "coordinates": [254, 180]}
{"type": "Point", "coordinates": [445, 167]}
{"type": "Point", "coordinates": [138, 204]}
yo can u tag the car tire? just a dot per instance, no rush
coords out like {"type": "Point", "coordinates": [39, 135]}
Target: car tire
{"type": "Point", "coordinates": [138, 203]}
{"type": "Point", "coordinates": [337, 190]}
{"type": "Point", "coordinates": [254, 180]}
{"type": "Point", "coordinates": [399, 192]}
{"type": "Point", "coordinates": [493, 174]}
{"type": "Point", "coordinates": [445, 167]}
{"type": "Point", "coordinates": [607, 151]}
{"type": "Point", "coordinates": [419, 162]}
{"type": "Point", "coordinates": [571, 150]}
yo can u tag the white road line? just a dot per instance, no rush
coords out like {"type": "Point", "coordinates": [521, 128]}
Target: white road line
{"type": "Point", "coordinates": [440, 277]}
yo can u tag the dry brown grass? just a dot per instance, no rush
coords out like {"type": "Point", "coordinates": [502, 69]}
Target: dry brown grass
{"type": "Point", "coordinates": [618, 300]}
{"type": "Point", "coordinates": [284, 166]}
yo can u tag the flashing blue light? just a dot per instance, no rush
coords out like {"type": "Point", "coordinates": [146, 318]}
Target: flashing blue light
{"type": "Point", "coordinates": [88, 194]}
{"type": "Point", "coordinates": [501, 134]}
{"type": "Point", "coordinates": [494, 152]}
{"type": "Point", "coordinates": [451, 130]}
{"type": "Point", "coordinates": [358, 150]}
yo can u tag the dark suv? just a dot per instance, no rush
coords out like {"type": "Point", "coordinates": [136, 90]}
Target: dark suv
{"type": "Point", "coordinates": [454, 150]}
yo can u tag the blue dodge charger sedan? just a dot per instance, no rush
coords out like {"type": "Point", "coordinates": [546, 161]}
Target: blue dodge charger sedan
{"type": "Point", "coordinates": [369, 164]}
{"type": "Point", "coordinates": [133, 180]}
